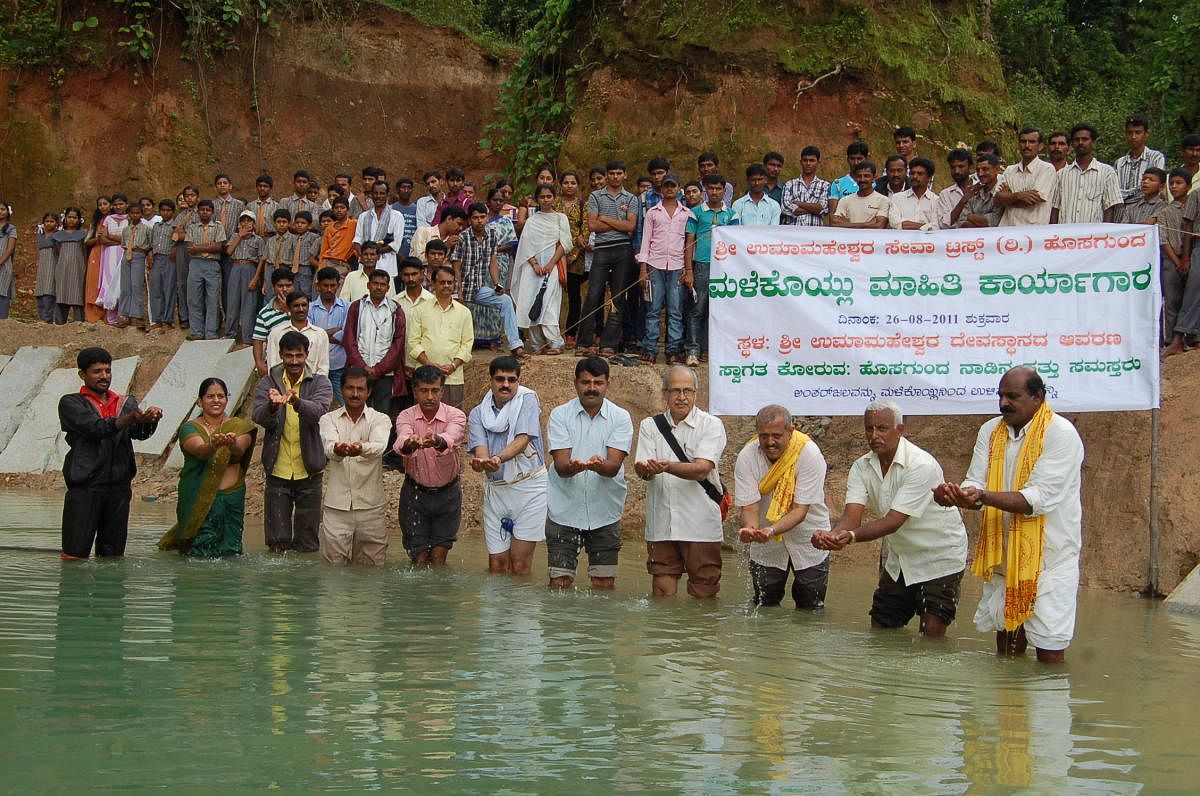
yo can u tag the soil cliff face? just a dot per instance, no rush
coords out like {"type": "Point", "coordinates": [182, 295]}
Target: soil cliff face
{"type": "Point", "coordinates": [327, 96]}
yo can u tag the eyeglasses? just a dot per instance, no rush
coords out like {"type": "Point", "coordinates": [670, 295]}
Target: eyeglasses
{"type": "Point", "coordinates": [506, 379]}
{"type": "Point", "coordinates": [686, 392]}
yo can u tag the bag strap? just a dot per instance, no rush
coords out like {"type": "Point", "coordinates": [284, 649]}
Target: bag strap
{"type": "Point", "coordinates": [664, 428]}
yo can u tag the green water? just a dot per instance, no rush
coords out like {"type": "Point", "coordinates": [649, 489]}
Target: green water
{"type": "Point", "coordinates": [282, 674]}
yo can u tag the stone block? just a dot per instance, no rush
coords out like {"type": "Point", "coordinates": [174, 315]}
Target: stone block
{"type": "Point", "coordinates": [20, 381]}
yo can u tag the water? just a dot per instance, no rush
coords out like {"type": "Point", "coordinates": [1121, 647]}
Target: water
{"type": "Point", "coordinates": [267, 673]}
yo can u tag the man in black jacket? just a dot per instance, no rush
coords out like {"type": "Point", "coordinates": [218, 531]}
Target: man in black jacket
{"type": "Point", "coordinates": [100, 425]}
{"type": "Point", "coordinates": [289, 402]}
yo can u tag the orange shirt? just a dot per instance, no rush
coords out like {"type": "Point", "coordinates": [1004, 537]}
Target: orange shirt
{"type": "Point", "coordinates": [338, 241]}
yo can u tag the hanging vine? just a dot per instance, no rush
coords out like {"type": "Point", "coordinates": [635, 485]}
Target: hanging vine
{"type": "Point", "coordinates": [538, 98]}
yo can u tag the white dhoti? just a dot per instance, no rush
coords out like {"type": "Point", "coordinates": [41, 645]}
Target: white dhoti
{"type": "Point", "coordinates": [1052, 625]}
{"type": "Point", "coordinates": [523, 503]}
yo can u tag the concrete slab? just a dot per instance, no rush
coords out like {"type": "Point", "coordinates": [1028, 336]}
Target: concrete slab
{"type": "Point", "coordinates": [20, 381]}
{"type": "Point", "coordinates": [4, 359]}
{"type": "Point", "coordinates": [236, 369]}
{"type": "Point", "coordinates": [175, 390]}
{"type": "Point", "coordinates": [1185, 598]}
{"type": "Point", "coordinates": [39, 444]}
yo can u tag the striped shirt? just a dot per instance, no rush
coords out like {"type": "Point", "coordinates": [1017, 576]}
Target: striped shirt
{"type": "Point", "coordinates": [137, 234]}
{"type": "Point", "coordinates": [1130, 171]}
{"type": "Point", "coordinates": [816, 192]}
{"type": "Point", "coordinates": [608, 205]}
{"type": "Point", "coordinates": [160, 237]}
{"type": "Point", "coordinates": [310, 247]}
{"type": "Point", "coordinates": [273, 250]}
{"type": "Point", "coordinates": [263, 210]}
{"type": "Point", "coordinates": [250, 248]}
{"type": "Point", "coordinates": [1082, 195]}
{"type": "Point", "coordinates": [212, 232]}
{"type": "Point", "coordinates": [266, 320]}
{"type": "Point", "coordinates": [295, 204]}
{"type": "Point", "coordinates": [475, 254]}
{"type": "Point", "coordinates": [226, 211]}
{"type": "Point", "coordinates": [1141, 210]}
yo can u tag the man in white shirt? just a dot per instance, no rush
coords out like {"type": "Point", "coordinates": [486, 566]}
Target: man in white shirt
{"type": "Point", "coordinates": [383, 225]}
{"type": "Point", "coordinates": [1025, 189]}
{"type": "Point", "coordinates": [588, 439]}
{"type": "Point", "coordinates": [427, 205]}
{"type": "Point", "coordinates": [960, 162]}
{"type": "Point", "coordinates": [779, 483]}
{"type": "Point", "coordinates": [926, 548]}
{"type": "Point", "coordinates": [867, 209]}
{"type": "Point", "coordinates": [1036, 496]}
{"type": "Point", "coordinates": [916, 206]}
{"type": "Point", "coordinates": [504, 438]}
{"type": "Point", "coordinates": [318, 338]}
{"type": "Point", "coordinates": [355, 436]}
{"type": "Point", "coordinates": [683, 522]}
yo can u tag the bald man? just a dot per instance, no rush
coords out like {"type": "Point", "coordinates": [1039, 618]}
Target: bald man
{"type": "Point", "coordinates": [1030, 535]}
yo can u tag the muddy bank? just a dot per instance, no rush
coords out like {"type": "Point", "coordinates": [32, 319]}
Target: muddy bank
{"type": "Point", "coordinates": [1116, 470]}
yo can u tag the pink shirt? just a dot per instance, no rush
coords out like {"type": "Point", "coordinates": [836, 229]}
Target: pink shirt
{"type": "Point", "coordinates": [663, 236]}
{"type": "Point", "coordinates": [429, 467]}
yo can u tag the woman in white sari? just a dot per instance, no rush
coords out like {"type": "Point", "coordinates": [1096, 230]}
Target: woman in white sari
{"type": "Point", "coordinates": [540, 270]}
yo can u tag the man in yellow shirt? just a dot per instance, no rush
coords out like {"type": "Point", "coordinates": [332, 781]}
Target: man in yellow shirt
{"type": "Point", "coordinates": [442, 334]}
{"type": "Point", "coordinates": [288, 403]}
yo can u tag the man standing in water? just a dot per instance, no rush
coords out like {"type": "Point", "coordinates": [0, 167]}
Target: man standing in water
{"type": "Point", "coordinates": [428, 436]}
{"type": "Point", "coordinates": [100, 425]}
{"type": "Point", "coordinates": [927, 543]}
{"type": "Point", "coordinates": [677, 453]}
{"type": "Point", "coordinates": [589, 438]}
{"type": "Point", "coordinates": [289, 403]}
{"type": "Point", "coordinates": [355, 437]}
{"type": "Point", "coordinates": [505, 439]}
{"type": "Point", "coordinates": [1024, 477]}
{"type": "Point", "coordinates": [779, 481]}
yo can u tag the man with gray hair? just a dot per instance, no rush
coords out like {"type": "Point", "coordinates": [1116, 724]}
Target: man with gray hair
{"type": "Point", "coordinates": [677, 455]}
{"type": "Point", "coordinates": [779, 483]}
{"type": "Point", "coordinates": [926, 543]}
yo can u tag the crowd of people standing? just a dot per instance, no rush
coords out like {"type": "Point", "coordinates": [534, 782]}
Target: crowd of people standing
{"type": "Point", "coordinates": [633, 264]}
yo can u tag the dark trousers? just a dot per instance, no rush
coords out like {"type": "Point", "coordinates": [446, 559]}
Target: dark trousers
{"type": "Point", "coordinates": [65, 311]}
{"type": "Point", "coordinates": [808, 585]}
{"type": "Point", "coordinates": [96, 513]}
{"type": "Point", "coordinates": [46, 308]}
{"type": "Point", "coordinates": [611, 268]}
{"type": "Point", "coordinates": [292, 513]}
{"type": "Point", "coordinates": [575, 284]}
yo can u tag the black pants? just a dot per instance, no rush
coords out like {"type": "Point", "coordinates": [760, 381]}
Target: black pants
{"type": "Point", "coordinates": [611, 268]}
{"type": "Point", "coordinates": [292, 513]}
{"type": "Point", "coordinates": [808, 585]}
{"type": "Point", "coordinates": [99, 514]}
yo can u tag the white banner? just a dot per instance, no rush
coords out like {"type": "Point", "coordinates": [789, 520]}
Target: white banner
{"type": "Point", "coordinates": [823, 320]}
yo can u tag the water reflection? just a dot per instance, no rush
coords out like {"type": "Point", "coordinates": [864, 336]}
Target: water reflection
{"type": "Point", "coordinates": [280, 673]}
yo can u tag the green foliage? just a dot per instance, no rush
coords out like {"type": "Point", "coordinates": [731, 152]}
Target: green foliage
{"type": "Point", "coordinates": [537, 99]}
{"type": "Point", "coordinates": [1064, 58]}
{"type": "Point", "coordinates": [31, 36]}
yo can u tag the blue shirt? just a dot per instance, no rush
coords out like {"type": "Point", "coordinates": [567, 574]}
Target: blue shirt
{"type": "Point", "coordinates": [587, 500]}
{"type": "Point", "coordinates": [332, 318]}
{"type": "Point", "coordinates": [765, 212]}
{"type": "Point", "coordinates": [410, 225]}
{"type": "Point", "coordinates": [842, 186]}
{"type": "Point", "coordinates": [705, 218]}
{"type": "Point", "coordinates": [528, 421]}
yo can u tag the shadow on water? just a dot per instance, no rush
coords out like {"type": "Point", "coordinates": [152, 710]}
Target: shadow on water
{"type": "Point", "coordinates": [279, 672]}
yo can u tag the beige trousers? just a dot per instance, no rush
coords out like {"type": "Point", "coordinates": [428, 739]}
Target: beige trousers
{"type": "Point", "coordinates": [356, 536]}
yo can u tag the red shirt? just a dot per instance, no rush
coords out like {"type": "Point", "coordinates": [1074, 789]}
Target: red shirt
{"type": "Point", "coordinates": [108, 408]}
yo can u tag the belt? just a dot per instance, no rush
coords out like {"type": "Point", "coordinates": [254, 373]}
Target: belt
{"type": "Point", "coordinates": [244, 262]}
{"type": "Point", "coordinates": [432, 490]}
{"type": "Point", "coordinates": [525, 477]}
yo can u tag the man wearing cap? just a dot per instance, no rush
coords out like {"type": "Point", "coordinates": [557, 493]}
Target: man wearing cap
{"type": "Point", "coordinates": [660, 260]}
{"type": "Point", "coordinates": [245, 252]}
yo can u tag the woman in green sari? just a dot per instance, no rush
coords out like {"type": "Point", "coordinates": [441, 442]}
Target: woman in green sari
{"type": "Point", "coordinates": [212, 484]}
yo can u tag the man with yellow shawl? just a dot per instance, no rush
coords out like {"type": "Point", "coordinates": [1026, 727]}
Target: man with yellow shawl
{"type": "Point", "coordinates": [779, 483]}
{"type": "Point", "coordinates": [1024, 477]}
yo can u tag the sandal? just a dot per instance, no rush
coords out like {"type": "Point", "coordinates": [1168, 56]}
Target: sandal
{"type": "Point", "coordinates": [607, 352]}
{"type": "Point", "coordinates": [552, 352]}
